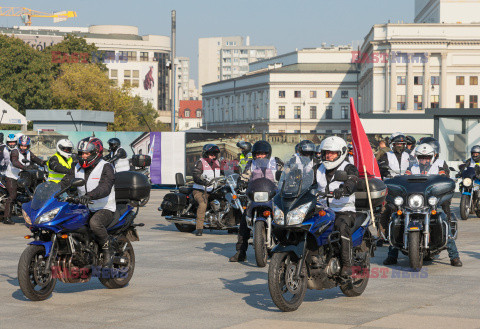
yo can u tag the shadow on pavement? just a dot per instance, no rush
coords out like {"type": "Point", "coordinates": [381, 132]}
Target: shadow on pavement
{"type": "Point", "coordinates": [471, 254]}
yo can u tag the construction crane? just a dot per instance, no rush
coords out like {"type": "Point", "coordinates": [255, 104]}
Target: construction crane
{"type": "Point", "coordinates": [26, 14]}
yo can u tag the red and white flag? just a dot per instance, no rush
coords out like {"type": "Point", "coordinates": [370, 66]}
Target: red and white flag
{"type": "Point", "coordinates": [362, 151]}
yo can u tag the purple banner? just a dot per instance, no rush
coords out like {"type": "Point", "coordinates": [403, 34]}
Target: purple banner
{"type": "Point", "coordinates": [156, 152]}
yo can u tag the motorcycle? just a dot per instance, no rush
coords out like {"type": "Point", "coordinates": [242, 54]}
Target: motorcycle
{"type": "Point", "coordinates": [419, 227]}
{"type": "Point", "coordinates": [304, 229]}
{"type": "Point", "coordinates": [261, 190]}
{"type": "Point", "coordinates": [65, 249]}
{"type": "Point", "coordinates": [469, 187]}
{"type": "Point", "coordinates": [225, 205]}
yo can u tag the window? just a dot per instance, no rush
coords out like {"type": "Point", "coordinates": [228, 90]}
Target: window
{"type": "Point", "coordinates": [199, 113]}
{"type": "Point", "coordinates": [460, 81]}
{"type": "Point", "coordinates": [127, 74]}
{"type": "Point", "coordinates": [187, 114]}
{"type": "Point", "coordinates": [227, 52]}
{"type": "Point", "coordinates": [400, 102]}
{"type": "Point", "coordinates": [473, 81]}
{"type": "Point", "coordinates": [418, 81]}
{"type": "Point", "coordinates": [328, 94]}
{"type": "Point", "coordinates": [143, 56]}
{"type": "Point", "coordinates": [131, 55]}
{"type": "Point", "coordinates": [417, 100]}
{"type": "Point", "coordinates": [313, 112]}
{"type": "Point", "coordinates": [473, 101]}
{"type": "Point", "coordinates": [281, 94]}
{"type": "Point", "coordinates": [297, 112]}
{"type": "Point", "coordinates": [434, 101]}
{"type": "Point", "coordinates": [186, 124]}
{"type": "Point", "coordinates": [401, 80]}
{"type": "Point", "coordinates": [313, 94]}
{"type": "Point", "coordinates": [329, 112]}
{"type": "Point", "coordinates": [297, 94]}
{"type": "Point", "coordinates": [281, 112]}
{"type": "Point", "coordinates": [460, 102]}
{"type": "Point", "coordinates": [113, 73]}
{"type": "Point", "coordinates": [127, 82]}
{"type": "Point", "coordinates": [345, 110]}
{"type": "Point", "coordinates": [135, 74]}
{"type": "Point", "coordinates": [135, 83]}
{"type": "Point", "coordinates": [344, 93]}
{"type": "Point", "coordinates": [435, 80]}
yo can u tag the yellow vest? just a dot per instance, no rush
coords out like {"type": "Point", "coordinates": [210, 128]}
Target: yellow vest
{"type": "Point", "coordinates": [244, 160]}
{"type": "Point", "coordinates": [54, 176]}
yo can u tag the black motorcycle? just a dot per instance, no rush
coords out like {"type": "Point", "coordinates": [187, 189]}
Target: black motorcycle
{"type": "Point", "coordinates": [419, 228]}
{"type": "Point", "coordinates": [469, 187]}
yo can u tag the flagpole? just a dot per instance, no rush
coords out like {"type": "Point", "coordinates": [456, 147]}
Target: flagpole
{"type": "Point", "coordinates": [369, 197]}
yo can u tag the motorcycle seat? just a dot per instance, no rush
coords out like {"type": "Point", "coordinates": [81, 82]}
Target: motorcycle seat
{"type": "Point", "coordinates": [359, 219]}
{"type": "Point", "coordinates": [185, 189]}
{"type": "Point", "coordinates": [121, 208]}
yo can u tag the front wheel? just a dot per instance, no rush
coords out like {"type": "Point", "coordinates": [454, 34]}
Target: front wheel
{"type": "Point", "coordinates": [464, 206]}
{"type": "Point", "coordinates": [259, 243]}
{"type": "Point", "coordinates": [286, 291]}
{"type": "Point", "coordinates": [415, 253]}
{"type": "Point", "coordinates": [36, 281]}
{"type": "Point", "coordinates": [185, 228]}
{"type": "Point", "coordinates": [120, 275]}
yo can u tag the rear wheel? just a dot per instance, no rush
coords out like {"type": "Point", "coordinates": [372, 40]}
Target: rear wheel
{"type": "Point", "coordinates": [464, 206]}
{"type": "Point", "coordinates": [185, 228]}
{"type": "Point", "coordinates": [120, 275]}
{"type": "Point", "coordinates": [415, 253]}
{"type": "Point", "coordinates": [259, 243]}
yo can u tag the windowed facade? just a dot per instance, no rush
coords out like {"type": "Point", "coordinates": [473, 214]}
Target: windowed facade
{"type": "Point", "coordinates": [400, 102]}
{"type": "Point", "coordinates": [417, 101]}
{"type": "Point", "coordinates": [434, 101]}
{"type": "Point", "coordinates": [460, 102]}
{"type": "Point", "coordinates": [281, 112]}
{"type": "Point", "coordinates": [297, 112]}
{"type": "Point", "coordinates": [473, 101]}
{"type": "Point", "coordinates": [313, 112]}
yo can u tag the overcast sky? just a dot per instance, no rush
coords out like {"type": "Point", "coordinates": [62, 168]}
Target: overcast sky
{"type": "Point", "coordinates": [285, 24]}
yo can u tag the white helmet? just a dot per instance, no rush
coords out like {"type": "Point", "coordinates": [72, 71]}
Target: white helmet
{"type": "Point", "coordinates": [11, 138]}
{"type": "Point", "coordinates": [335, 144]}
{"type": "Point", "coordinates": [424, 151]}
{"type": "Point", "coordinates": [65, 148]}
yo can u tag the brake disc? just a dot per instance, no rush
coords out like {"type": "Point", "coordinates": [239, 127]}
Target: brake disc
{"type": "Point", "coordinates": [292, 284]}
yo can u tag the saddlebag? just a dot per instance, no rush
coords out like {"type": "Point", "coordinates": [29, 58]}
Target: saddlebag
{"type": "Point", "coordinates": [378, 193]}
{"type": "Point", "coordinates": [173, 202]}
{"type": "Point", "coordinates": [141, 160]}
{"type": "Point", "coordinates": [131, 186]}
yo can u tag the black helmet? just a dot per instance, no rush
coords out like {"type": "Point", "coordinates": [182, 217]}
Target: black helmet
{"type": "Point", "coordinates": [299, 145]}
{"type": "Point", "coordinates": [411, 140]}
{"type": "Point", "coordinates": [475, 149]}
{"type": "Point", "coordinates": [113, 144]}
{"type": "Point", "coordinates": [91, 145]}
{"type": "Point", "coordinates": [210, 149]}
{"type": "Point", "coordinates": [1, 138]}
{"type": "Point", "coordinates": [245, 146]}
{"type": "Point", "coordinates": [261, 147]}
{"type": "Point", "coordinates": [318, 154]}
{"type": "Point", "coordinates": [432, 141]}
{"type": "Point", "coordinates": [398, 139]}
{"type": "Point", "coordinates": [307, 149]}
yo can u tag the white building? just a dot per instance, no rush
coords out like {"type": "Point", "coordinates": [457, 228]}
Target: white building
{"type": "Point", "coordinates": [303, 91]}
{"type": "Point", "coordinates": [221, 58]}
{"type": "Point", "coordinates": [447, 11]}
{"type": "Point", "coordinates": [183, 78]}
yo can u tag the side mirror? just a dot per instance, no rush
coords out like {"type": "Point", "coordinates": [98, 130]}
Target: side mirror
{"type": "Point", "coordinates": [340, 176]}
{"type": "Point", "coordinates": [77, 182]}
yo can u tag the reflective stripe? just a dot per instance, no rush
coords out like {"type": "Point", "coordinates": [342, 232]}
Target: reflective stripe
{"type": "Point", "coordinates": [244, 160]}
{"type": "Point", "coordinates": [121, 164]}
{"type": "Point", "coordinates": [208, 171]}
{"type": "Point", "coordinates": [346, 203]}
{"type": "Point", "coordinates": [53, 176]}
{"type": "Point", "coordinates": [12, 171]}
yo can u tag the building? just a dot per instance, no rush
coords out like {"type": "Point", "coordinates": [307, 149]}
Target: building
{"type": "Point", "coordinates": [183, 78]}
{"type": "Point", "coordinates": [447, 11]}
{"type": "Point", "coordinates": [190, 115]}
{"type": "Point", "coordinates": [300, 92]}
{"type": "Point", "coordinates": [192, 90]}
{"type": "Point", "coordinates": [70, 120]}
{"type": "Point", "coordinates": [222, 58]}
{"type": "Point", "coordinates": [134, 60]}
{"type": "Point", "coordinates": [10, 116]}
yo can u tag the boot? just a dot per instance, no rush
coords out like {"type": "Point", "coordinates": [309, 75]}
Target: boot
{"type": "Point", "coordinates": [240, 256]}
{"type": "Point", "coordinates": [107, 252]}
{"type": "Point", "coordinates": [456, 262]}
{"type": "Point", "coordinates": [346, 256]}
{"type": "Point", "coordinates": [8, 221]}
{"type": "Point", "coordinates": [199, 232]}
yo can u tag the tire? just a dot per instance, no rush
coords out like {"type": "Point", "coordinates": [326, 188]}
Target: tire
{"type": "Point", "coordinates": [185, 228]}
{"type": "Point", "coordinates": [259, 243]}
{"type": "Point", "coordinates": [464, 206]}
{"type": "Point", "coordinates": [30, 276]}
{"type": "Point", "coordinates": [129, 254]}
{"type": "Point", "coordinates": [277, 274]}
{"type": "Point", "coordinates": [415, 253]}
{"type": "Point", "coordinates": [358, 285]}
{"type": "Point", "coordinates": [144, 202]}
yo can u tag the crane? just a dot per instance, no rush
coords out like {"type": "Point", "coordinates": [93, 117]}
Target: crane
{"type": "Point", "coordinates": [26, 14]}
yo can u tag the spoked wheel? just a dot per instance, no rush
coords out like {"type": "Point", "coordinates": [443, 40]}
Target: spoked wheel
{"type": "Point", "coordinates": [259, 242]}
{"type": "Point", "coordinates": [121, 273]}
{"type": "Point", "coordinates": [464, 206]}
{"type": "Point", "coordinates": [361, 274]}
{"type": "Point", "coordinates": [35, 279]}
{"type": "Point", "coordinates": [286, 291]}
{"type": "Point", "coordinates": [415, 252]}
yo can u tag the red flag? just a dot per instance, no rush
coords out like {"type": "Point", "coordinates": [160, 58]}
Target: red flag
{"type": "Point", "coordinates": [362, 151]}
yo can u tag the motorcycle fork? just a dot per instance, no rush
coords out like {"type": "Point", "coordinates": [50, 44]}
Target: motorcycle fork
{"type": "Point", "coordinates": [405, 230]}
{"type": "Point", "coordinates": [53, 253]}
{"type": "Point", "coordinates": [269, 231]}
{"type": "Point", "coordinates": [301, 261]}
{"type": "Point", "coordinates": [426, 230]}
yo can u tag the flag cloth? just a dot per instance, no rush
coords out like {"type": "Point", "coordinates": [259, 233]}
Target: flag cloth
{"type": "Point", "coordinates": [150, 153]}
{"type": "Point", "coordinates": [362, 151]}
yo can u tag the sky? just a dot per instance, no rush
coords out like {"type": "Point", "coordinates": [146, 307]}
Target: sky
{"type": "Point", "coordinates": [285, 24]}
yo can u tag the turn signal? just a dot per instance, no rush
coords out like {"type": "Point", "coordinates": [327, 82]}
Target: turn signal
{"type": "Point", "coordinates": [434, 212]}
{"type": "Point", "coordinates": [244, 207]}
{"type": "Point", "coordinates": [27, 236]}
{"type": "Point", "coordinates": [322, 213]}
{"type": "Point", "coordinates": [399, 212]}
{"type": "Point", "coordinates": [234, 197]}
{"type": "Point", "coordinates": [266, 213]}
{"type": "Point", "coordinates": [64, 236]}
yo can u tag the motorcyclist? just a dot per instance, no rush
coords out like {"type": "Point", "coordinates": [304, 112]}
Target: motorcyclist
{"type": "Point", "coordinates": [20, 159]}
{"type": "Point", "coordinates": [428, 163]}
{"type": "Point", "coordinates": [411, 142]}
{"type": "Point", "coordinates": [260, 150]}
{"type": "Point", "coordinates": [317, 158]}
{"type": "Point", "coordinates": [245, 154]}
{"type": "Point", "coordinates": [305, 148]}
{"type": "Point", "coordinates": [117, 156]}
{"type": "Point", "coordinates": [99, 191]}
{"type": "Point", "coordinates": [5, 151]}
{"type": "Point", "coordinates": [61, 162]}
{"type": "Point", "coordinates": [382, 149]}
{"type": "Point", "coordinates": [350, 153]}
{"type": "Point", "coordinates": [334, 153]}
{"type": "Point", "coordinates": [474, 159]}
{"type": "Point", "coordinates": [206, 168]}
{"type": "Point", "coordinates": [397, 161]}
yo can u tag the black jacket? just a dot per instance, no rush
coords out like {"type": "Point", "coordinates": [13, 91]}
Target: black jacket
{"type": "Point", "coordinates": [15, 160]}
{"type": "Point", "coordinates": [121, 154]}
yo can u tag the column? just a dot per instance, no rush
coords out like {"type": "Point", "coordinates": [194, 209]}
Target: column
{"type": "Point", "coordinates": [443, 82]}
{"type": "Point", "coordinates": [387, 83]}
{"type": "Point", "coordinates": [393, 84]}
{"type": "Point", "coordinates": [409, 89]}
{"type": "Point", "coordinates": [426, 81]}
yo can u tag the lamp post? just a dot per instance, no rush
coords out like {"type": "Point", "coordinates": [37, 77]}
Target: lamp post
{"type": "Point", "coordinates": [70, 114]}
{"type": "Point", "coordinates": [3, 113]}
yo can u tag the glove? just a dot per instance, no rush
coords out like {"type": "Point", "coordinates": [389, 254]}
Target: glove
{"type": "Point", "coordinates": [338, 193]}
{"type": "Point", "coordinates": [84, 199]}
{"type": "Point", "coordinates": [241, 184]}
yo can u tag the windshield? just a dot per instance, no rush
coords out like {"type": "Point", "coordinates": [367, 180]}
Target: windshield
{"type": "Point", "coordinates": [263, 168]}
{"type": "Point", "coordinates": [297, 177]}
{"type": "Point", "coordinates": [43, 193]}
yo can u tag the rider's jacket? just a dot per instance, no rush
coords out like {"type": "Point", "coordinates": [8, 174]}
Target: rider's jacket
{"type": "Point", "coordinates": [58, 167]}
{"type": "Point", "coordinates": [208, 169]}
{"type": "Point", "coordinates": [16, 164]}
{"type": "Point", "coordinates": [394, 164]}
{"type": "Point", "coordinates": [244, 160]}
{"type": "Point", "coordinates": [438, 167]}
{"type": "Point", "coordinates": [120, 161]}
{"type": "Point", "coordinates": [251, 169]}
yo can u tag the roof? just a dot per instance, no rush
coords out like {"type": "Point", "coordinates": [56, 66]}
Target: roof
{"type": "Point", "coordinates": [192, 106]}
{"type": "Point", "coordinates": [11, 116]}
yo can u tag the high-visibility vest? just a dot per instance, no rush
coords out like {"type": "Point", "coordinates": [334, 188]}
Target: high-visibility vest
{"type": "Point", "coordinates": [54, 176]}
{"type": "Point", "coordinates": [244, 160]}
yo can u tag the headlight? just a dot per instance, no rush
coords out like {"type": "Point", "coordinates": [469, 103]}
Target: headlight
{"type": "Point", "coordinates": [415, 201]}
{"type": "Point", "coordinates": [297, 215]}
{"type": "Point", "coordinates": [260, 196]}
{"type": "Point", "coordinates": [48, 216]}
{"type": "Point", "coordinates": [467, 182]}
{"type": "Point", "coordinates": [278, 215]}
{"type": "Point", "coordinates": [26, 217]}
{"type": "Point", "coordinates": [398, 201]}
{"type": "Point", "coordinates": [432, 201]}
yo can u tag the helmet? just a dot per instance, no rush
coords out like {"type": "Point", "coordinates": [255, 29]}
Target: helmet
{"type": "Point", "coordinates": [113, 144]}
{"type": "Point", "coordinates": [334, 144]}
{"type": "Point", "coordinates": [424, 151]}
{"type": "Point", "coordinates": [299, 145]}
{"type": "Point", "coordinates": [65, 148]}
{"type": "Point", "coordinates": [350, 148]}
{"type": "Point", "coordinates": [432, 141]}
{"type": "Point", "coordinates": [1, 138]}
{"type": "Point", "coordinates": [307, 148]}
{"type": "Point", "coordinates": [411, 140]}
{"type": "Point", "coordinates": [318, 154]}
{"type": "Point", "coordinates": [90, 145]}
{"type": "Point", "coordinates": [245, 146]}
{"type": "Point", "coordinates": [401, 142]}
{"type": "Point", "coordinates": [261, 147]}
{"type": "Point", "coordinates": [24, 141]}
{"type": "Point", "coordinates": [210, 149]}
{"type": "Point", "coordinates": [475, 149]}
{"type": "Point", "coordinates": [11, 141]}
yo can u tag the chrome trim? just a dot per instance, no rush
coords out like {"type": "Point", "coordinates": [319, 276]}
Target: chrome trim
{"type": "Point", "coordinates": [269, 232]}
{"type": "Point", "coordinates": [405, 229]}
{"type": "Point", "coordinates": [426, 230]}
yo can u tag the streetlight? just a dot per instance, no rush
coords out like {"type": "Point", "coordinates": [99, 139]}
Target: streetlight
{"type": "Point", "coordinates": [70, 114]}
{"type": "Point", "coordinates": [3, 113]}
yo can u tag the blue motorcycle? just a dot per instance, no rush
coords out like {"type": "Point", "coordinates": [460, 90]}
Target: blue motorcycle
{"type": "Point", "coordinates": [308, 252]}
{"type": "Point", "coordinates": [65, 249]}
